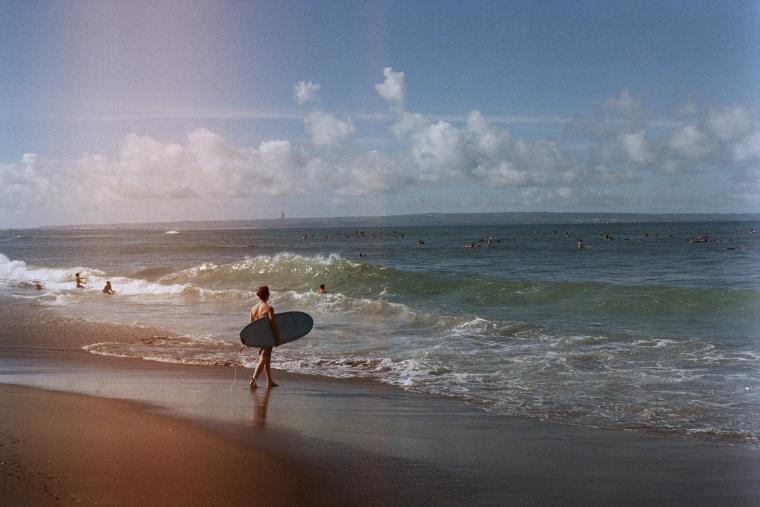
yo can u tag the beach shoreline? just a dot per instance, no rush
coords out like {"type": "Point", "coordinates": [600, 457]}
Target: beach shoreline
{"type": "Point", "coordinates": [60, 448]}
{"type": "Point", "coordinates": [360, 442]}
{"type": "Point", "coordinates": [611, 337]}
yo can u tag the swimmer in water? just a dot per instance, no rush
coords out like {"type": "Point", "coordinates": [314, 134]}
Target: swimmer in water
{"type": "Point", "coordinates": [322, 289]}
{"type": "Point", "coordinates": [108, 289]}
{"type": "Point", "coordinates": [80, 282]}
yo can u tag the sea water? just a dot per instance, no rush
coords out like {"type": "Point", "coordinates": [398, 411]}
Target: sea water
{"type": "Point", "coordinates": [647, 327]}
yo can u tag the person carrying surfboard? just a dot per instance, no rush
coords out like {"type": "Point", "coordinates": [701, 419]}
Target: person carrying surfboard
{"type": "Point", "coordinates": [264, 310]}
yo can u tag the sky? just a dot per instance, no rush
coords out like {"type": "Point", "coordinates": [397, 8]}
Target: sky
{"type": "Point", "coordinates": [188, 110]}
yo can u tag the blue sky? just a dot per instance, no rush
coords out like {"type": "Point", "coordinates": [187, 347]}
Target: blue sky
{"type": "Point", "coordinates": [116, 111]}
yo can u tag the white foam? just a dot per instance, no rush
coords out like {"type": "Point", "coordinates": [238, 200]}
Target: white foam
{"type": "Point", "coordinates": [15, 272]}
{"type": "Point", "coordinates": [60, 282]}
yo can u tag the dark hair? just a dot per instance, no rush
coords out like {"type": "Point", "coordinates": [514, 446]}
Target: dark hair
{"type": "Point", "coordinates": [322, 286]}
{"type": "Point", "coordinates": [263, 292]}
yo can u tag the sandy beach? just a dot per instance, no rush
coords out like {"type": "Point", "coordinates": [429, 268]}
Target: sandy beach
{"type": "Point", "coordinates": [98, 430]}
{"type": "Point", "coordinates": [58, 449]}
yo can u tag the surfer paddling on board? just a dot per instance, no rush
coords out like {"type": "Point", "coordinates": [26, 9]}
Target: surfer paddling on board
{"type": "Point", "coordinates": [264, 310]}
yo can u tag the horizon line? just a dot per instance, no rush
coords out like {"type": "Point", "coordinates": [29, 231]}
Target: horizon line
{"type": "Point", "coordinates": [748, 215]}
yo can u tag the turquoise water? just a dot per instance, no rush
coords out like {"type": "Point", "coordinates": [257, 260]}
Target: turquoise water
{"type": "Point", "coordinates": [647, 330]}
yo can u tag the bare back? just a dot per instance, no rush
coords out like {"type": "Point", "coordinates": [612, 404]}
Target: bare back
{"type": "Point", "coordinates": [260, 310]}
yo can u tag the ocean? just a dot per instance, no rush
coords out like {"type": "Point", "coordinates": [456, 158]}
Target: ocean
{"type": "Point", "coordinates": [649, 327]}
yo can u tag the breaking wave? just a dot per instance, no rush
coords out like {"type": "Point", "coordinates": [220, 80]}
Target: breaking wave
{"type": "Point", "coordinates": [453, 336]}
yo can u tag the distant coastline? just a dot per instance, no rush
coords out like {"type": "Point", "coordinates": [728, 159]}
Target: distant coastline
{"type": "Point", "coordinates": [425, 219]}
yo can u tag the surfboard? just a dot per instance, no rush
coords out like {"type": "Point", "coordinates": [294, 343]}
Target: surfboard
{"type": "Point", "coordinates": [292, 326]}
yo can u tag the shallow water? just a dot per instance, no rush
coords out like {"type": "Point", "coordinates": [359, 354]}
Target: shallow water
{"type": "Point", "coordinates": [643, 331]}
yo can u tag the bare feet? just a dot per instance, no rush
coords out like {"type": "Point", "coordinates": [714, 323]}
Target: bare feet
{"type": "Point", "coordinates": [252, 383]}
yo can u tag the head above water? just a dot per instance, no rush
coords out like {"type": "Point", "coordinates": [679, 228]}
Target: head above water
{"type": "Point", "coordinates": [263, 292]}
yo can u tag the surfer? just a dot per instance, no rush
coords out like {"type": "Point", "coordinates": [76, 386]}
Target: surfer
{"type": "Point", "coordinates": [264, 310]}
{"type": "Point", "coordinates": [80, 281]}
{"type": "Point", "coordinates": [108, 289]}
{"type": "Point", "coordinates": [322, 289]}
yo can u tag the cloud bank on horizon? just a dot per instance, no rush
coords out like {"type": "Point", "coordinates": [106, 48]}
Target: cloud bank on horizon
{"type": "Point", "coordinates": [592, 163]}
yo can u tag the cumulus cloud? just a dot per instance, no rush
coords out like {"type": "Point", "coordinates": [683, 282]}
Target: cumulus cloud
{"type": "Point", "coordinates": [612, 146]}
{"type": "Point", "coordinates": [305, 92]}
{"type": "Point", "coordinates": [729, 122]}
{"type": "Point", "coordinates": [440, 151]}
{"type": "Point", "coordinates": [203, 166]}
{"type": "Point", "coordinates": [690, 142]}
{"type": "Point", "coordinates": [393, 88]}
{"type": "Point", "coordinates": [637, 147]}
{"type": "Point", "coordinates": [623, 103]}
{"type": "Point", "coordinates": [367, 173]}
{"type": "Point", "coordinates": [625, 144]}
{"type": "Point", "coordinates": [327, 130]}
{"type": "Point", "coordinates": [29, 183]}
{"type": "Point", "coordinates": [748, 148]}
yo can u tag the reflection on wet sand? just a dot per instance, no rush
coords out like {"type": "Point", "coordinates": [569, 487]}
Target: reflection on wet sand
{"type": "Point", "coordinates": [260, 400]}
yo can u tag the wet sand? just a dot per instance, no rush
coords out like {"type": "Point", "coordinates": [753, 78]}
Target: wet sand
{"type": "Point", "coordinates": [59, 448]}
{"type": "Point", "coordinates": [138, 427]}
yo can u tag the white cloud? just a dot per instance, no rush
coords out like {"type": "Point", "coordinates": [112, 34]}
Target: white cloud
{"type": "Point", "coordinates": [201, 169]}
{"type": "Point", "coordinates": [327, 130]}
{"type": "Point", "coordinates": [28, 183]}
{"type": "Point", "coordinates": [393, 88]}
{"type": "Point", "coordinates": [616, 145]}
{"type": "Point", "coordinates": [440, 151]}
{"type": "Point", "coordinates": [547, 198]}
{"type": "Point", "coordinates": [305, 92]}
{"type": "Point", "coordinates": [489, 140]}
{"type": "Point", "coordinates": [690, 142]}
{"type": "Point", "coordinates": [279, 169]}
{"type": "Point", "coordinates": [729, 122]}
{"type": "Point", "coordinates": [203, 166]}
{"type": "Point", "coordinates": [504, 174]}
{"type": "Point", "coordinates": [637, 147]}
{"type": "Point", "coordinates": [609, 174]}
{"type": "Point", "coordinates": [368, 173]}
{"type": "Point", "coordinates": [408, 123]}
{"type": "Point", "coordinates": [748, 148]}
{"type": "Point", "coordinates": [624, 103]}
